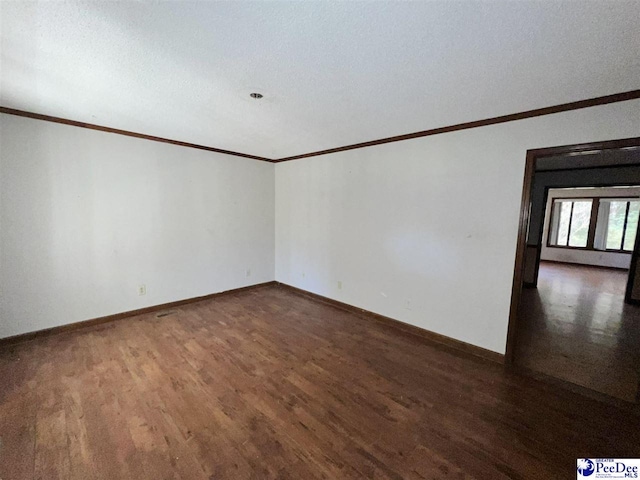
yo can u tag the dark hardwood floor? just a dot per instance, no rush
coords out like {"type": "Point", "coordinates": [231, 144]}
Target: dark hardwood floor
{"type": "Point", "coordinates": [575, 326]}
{"type": "Point", "coordinates": [266, 384]}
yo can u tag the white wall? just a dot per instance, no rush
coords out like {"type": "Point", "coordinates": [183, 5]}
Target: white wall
{"type": "Point", "coordinates": [87, 216]}
{"type": "Point", "coordinates": [424, 231]}
{"type": "Point", "coordinates": [584, 257]}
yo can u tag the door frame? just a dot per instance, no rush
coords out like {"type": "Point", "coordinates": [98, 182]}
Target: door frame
{"type": "Point", "coordinates": [523, 224]}
{"type": "Point", "coordinates": [630, 280]}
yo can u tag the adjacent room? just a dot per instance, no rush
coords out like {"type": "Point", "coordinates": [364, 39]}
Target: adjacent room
{"type": "Point", "coordinates": [319, 240]}
{"type": "Point", "coordinates": [581, 315]}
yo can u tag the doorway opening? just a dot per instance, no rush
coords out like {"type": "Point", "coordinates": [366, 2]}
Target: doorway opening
{"type": "Point", "coordinates": [575, 307]}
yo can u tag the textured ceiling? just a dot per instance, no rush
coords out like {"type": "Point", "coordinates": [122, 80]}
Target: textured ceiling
{"type": "Point", "coordinates": [331, 73]}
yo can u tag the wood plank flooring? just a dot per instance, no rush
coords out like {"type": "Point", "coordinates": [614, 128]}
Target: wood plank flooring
{"type": "Point", "coordinates": [575, 326]}
{"type": "Point", "coordinates": [267, 384]}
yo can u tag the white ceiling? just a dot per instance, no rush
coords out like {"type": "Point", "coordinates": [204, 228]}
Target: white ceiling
{"type": "Point", "coordinates": [331, 73]}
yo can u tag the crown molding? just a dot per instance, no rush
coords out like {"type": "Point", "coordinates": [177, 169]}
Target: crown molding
{"type": "Point", "coordinates": [564, 107]}
{"type": "Point", "coordinates": [538, 112]}
{"type": "Point", "coordinates": [91, 126]}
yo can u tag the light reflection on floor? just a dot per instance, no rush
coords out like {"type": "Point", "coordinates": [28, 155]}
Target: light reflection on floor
{"type": "Point", "coordinates": [575, 326]}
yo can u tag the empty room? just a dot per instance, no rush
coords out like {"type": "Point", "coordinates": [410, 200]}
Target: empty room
{"type": "Point", "coordinates": [319, 240]}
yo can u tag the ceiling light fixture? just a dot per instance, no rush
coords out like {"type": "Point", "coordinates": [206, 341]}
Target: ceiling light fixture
{"type": "Point", "coordinates": [256, 95]}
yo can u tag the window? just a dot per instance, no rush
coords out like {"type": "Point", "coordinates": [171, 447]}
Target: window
{"type": "Point", "coordinates": [621, 218]}
{"type": "Point", "coordinates": [572, 220]}
{"type": "Point", "coordinates": [608, 224]}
